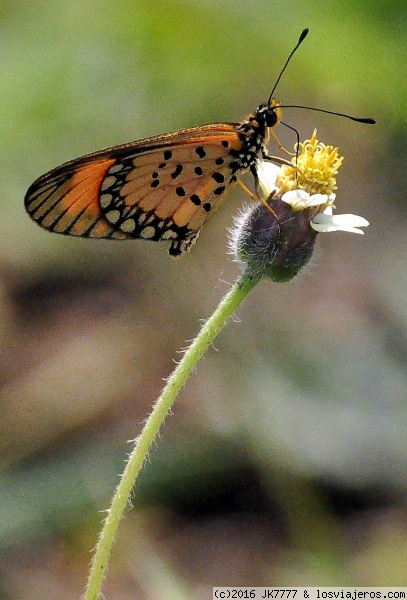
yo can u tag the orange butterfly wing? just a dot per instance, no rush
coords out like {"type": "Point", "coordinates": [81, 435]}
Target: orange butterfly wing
{"type": "Point", "coordinates": [160, 188]}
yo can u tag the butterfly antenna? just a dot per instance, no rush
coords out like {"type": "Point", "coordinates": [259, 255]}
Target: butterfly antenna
{"type": "Point", "coordinates": [297, 135]}
{"type": "Point", "coordinates": [300, 40]}
{"type": "Point", "coordinates": [366, 120]}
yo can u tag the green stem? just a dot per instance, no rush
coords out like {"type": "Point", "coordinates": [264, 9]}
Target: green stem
{"type": "Point", "coordinates": [160, 410]}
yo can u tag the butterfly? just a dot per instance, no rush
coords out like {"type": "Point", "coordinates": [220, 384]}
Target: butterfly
{"type": "Point", "coordinates": [159, 188]}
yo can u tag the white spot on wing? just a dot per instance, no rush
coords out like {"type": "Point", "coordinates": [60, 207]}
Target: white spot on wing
{"type": "Point", "coordinates": [105, 200]}
{"type": "Point", "coordinates": [170, 234]}
{"type": "Point", "coordinates": [107, 183]}
{"type": "Point", "coordinates": [129, 225]}
{"type": "Point", "coordinates": [115, 169]}
{"type": "Point", "coordinates": [148, 232]}
{"type": "Point", "coordinates": [113, 216]}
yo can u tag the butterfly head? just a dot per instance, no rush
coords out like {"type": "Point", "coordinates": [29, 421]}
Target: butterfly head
{"type": "Point", "coordinates": [269, 114]}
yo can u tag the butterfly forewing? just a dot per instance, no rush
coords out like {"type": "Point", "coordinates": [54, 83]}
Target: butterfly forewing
{"type": "Point", "coordinates": [159, 188]}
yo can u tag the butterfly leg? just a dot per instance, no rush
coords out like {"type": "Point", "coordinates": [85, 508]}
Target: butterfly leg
{"type": "Point", "coordinates": [256, 197]}
{"type": "Point", "coordinates": [279, 144]}
{"type": "Point", "coordinates": [247, 191]}
{"type": "Point", "coordinates": [282, 161]}
{"type": "Point", "coordinates": [277, 159]}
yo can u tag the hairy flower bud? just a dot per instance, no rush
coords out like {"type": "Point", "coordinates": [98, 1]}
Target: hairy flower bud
{"type": "Point", "coordinates": [275, 244]}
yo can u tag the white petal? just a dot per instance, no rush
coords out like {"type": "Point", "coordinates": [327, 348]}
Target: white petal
{"type": "Point", "coordinates": [325, 223]}
{"type": "Point", "coordinates": [318, 199]}
{"type": "Point", "coordinates": [267, 173]}
{"type": "Point", "coordinates": [296, 198]}
{"type": "Point", "coordinates": [300, 199]}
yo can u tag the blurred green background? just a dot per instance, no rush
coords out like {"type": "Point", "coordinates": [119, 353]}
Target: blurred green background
{"type": "Point", "coordinates": [285, 460]}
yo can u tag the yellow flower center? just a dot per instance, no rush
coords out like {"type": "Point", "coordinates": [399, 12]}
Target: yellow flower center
{"type": "Point", "coordinates": [313, 170]}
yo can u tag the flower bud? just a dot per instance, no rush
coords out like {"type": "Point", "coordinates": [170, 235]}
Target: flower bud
{"type": "Point", "coordinates": [274, 243]}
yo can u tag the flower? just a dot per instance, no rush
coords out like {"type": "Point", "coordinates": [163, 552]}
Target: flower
{"type": "Point", "coordinates": [311, 185]}
{"type": "Point", "coordinates": [276, 238]}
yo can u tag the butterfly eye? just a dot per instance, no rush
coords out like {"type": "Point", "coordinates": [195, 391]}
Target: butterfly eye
{"type": "Point", "coordinates": [271, 117]}
{"type": "Point", "coordinates": [269, 114]}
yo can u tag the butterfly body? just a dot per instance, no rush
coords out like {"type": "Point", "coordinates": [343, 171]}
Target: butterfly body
{"type": "Point", "coordinates": [160, 188]}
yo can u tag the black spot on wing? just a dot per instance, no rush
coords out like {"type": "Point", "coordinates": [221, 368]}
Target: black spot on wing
{"type": "Point", "coordinates": [178, 171]}
{"type": "Point", "coordinates": [195, 199]}
{"type": "Point", "coordinates": [218, 177]}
